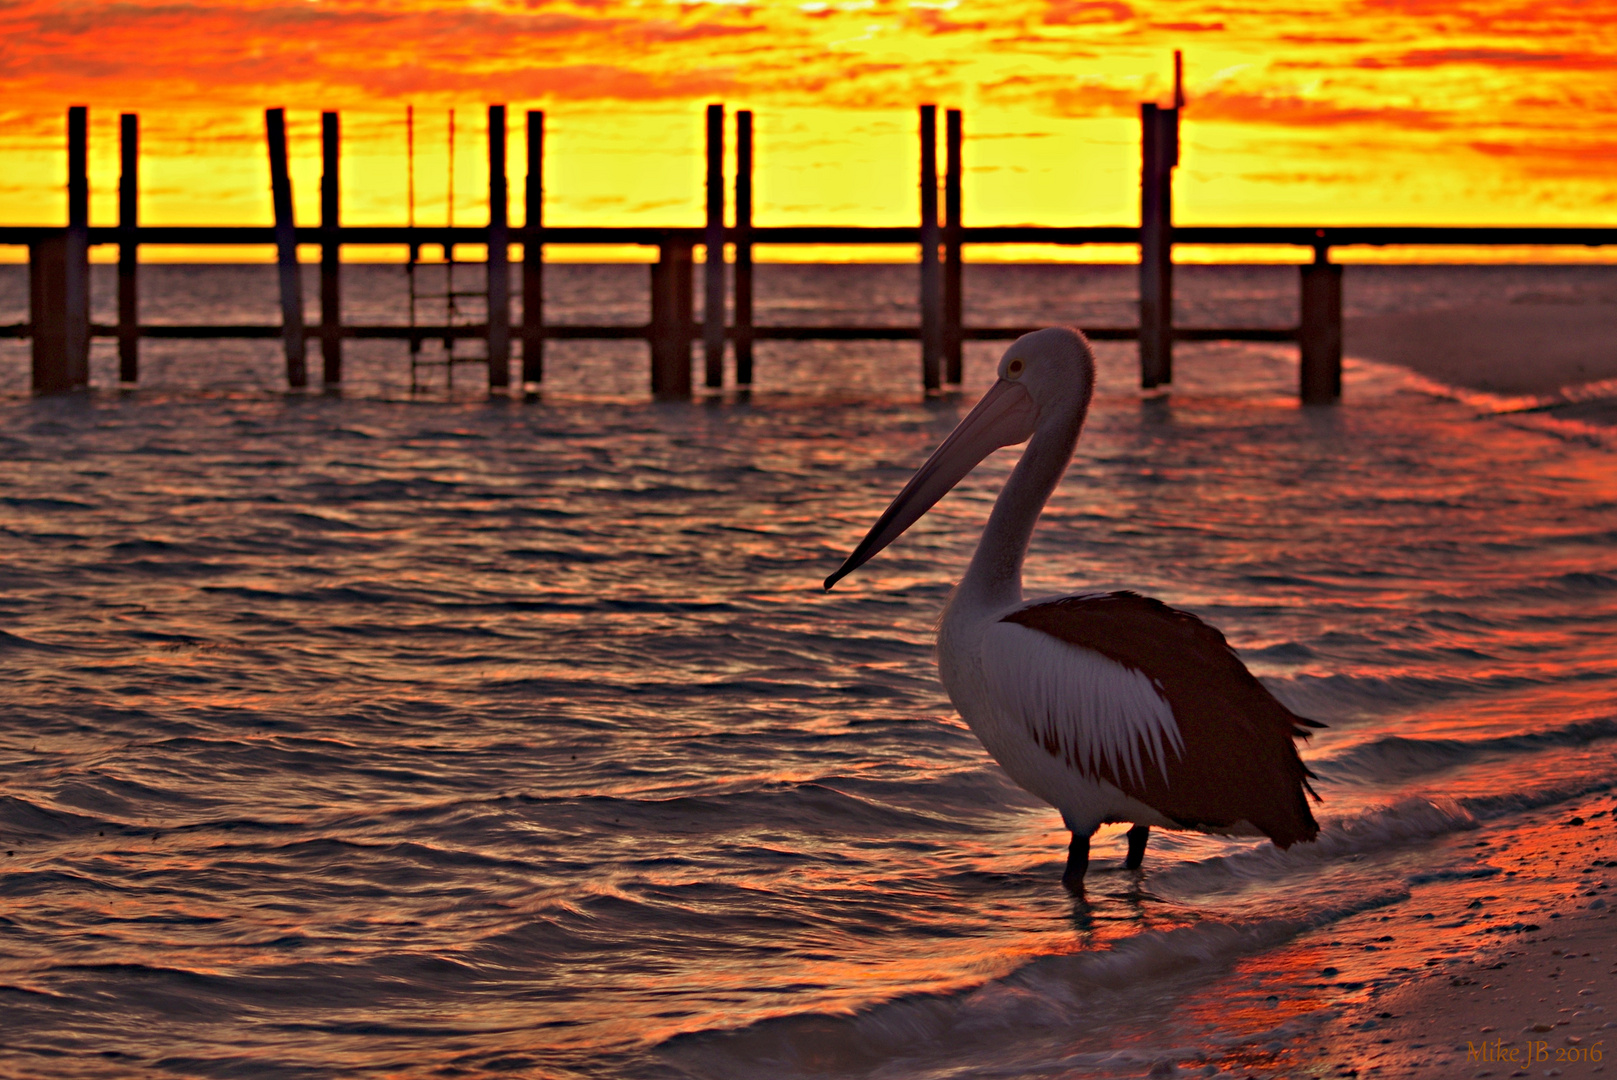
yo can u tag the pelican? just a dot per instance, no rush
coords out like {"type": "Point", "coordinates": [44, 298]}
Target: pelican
{"type": "Point", "coordinates": [1112, 707]}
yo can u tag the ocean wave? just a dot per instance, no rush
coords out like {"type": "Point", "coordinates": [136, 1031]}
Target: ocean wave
{"type": "Point", "coordinates": [1048, 996]}
{"type": "Point", "coordinates": [1571, 586]}
{"type": "Point", "coordinates": [19, 502]}
{"type": "Point", "coordinates": [21, 818]}
{"type": "Point", "coordinates": [1396, 757]}
{"type": "Point", "coordinates": [1355, 696]}
{"type": "Point", "coordinates": [18, 643]}
{"type": "Point", "coordinates": [802, 806]}
{"type": "Point", "coordinates": [1383, 828]}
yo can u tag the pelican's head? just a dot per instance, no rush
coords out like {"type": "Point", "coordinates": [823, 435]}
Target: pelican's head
{"type": "Point", "coordinates": [1045, 380]}
{"type": "Point", "coordinates": [1056, 369]}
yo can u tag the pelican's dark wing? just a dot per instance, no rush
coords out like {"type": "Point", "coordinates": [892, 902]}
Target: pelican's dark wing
{"type": "Point", "coordinates": [1153, 700]}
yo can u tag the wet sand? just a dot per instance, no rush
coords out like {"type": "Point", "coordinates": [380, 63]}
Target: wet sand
{"type": "Point", "coordinates": [1529, 1010]}
{"type": "Point", "coordinates": [1540, 1003]}
{"type": "Point", "coordinates": [1514, 349]}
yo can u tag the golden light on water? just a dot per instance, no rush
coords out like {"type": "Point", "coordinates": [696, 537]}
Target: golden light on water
{"type": "Point", "coordinates": [1372, 111]}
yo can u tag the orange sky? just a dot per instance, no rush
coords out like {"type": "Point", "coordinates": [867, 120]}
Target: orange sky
{"type": "Point", "coordinates": [1419, 111]}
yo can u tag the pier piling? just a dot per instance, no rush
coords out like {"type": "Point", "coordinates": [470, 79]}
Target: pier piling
{"type": "Point", "coordinates": [59, 278]}
{"type": "Point", "coordinates": [672, 325]}
{"type": "Point", "coordinates": [931, 278]}
{"type": "Point", "coordinates": [953, 297]}
{"type": "Point", "coordinates": [533, 258]}
{"type": "Point", "coordinates": [498, 265]}
{"type": "Point", "coordinates": [742, 340]}
{"type": "Point", "coordinates": [47, 314]}
{"type": "Point", "coordinates": [78, 246]}
{"type": "Point", "coordinates": [128, 249]}
{"type": "Point", "coordinates": [713, 240]}
{"type": "Point", "coordinates": [286, 250]}
{"type": "Point", "coordinates": [330, 252]}
{"type": "Point", "coordinates": [1319, 335]}
{"type": "Point", "coordinates": [1159, 141]}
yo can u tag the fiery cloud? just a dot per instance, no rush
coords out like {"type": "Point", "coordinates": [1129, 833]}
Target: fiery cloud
{"type": "Point", "coordinates": [1522, 91]}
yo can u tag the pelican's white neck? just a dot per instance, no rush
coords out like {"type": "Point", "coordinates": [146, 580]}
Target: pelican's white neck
{"type": "Point", "coordinates": [994, 578]}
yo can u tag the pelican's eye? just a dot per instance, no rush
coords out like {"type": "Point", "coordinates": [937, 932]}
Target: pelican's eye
{"type": "Point", "coordinates": [1013, 369]}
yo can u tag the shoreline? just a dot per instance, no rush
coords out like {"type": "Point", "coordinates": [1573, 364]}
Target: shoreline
{"type": "Point", "coordinates": [1541, 1002]}
{"type": "Point", "coordinates": [1530, 349]}
{"type": "Point", "coordinates": [1500, 962]}
{"type": "Point", "coordinates": [1495, 1018]}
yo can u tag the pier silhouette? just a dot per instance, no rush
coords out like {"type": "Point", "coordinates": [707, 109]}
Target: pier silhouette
{"type": "Point", "coordinates": [60, 328]}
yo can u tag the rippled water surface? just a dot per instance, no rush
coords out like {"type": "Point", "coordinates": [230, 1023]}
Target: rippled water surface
{"type": "Point", "coordinates": [446, 737]}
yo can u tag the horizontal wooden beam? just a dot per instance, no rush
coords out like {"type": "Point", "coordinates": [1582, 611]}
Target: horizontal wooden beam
{"type": "Point", "coordinates": [595, 331]}
{"type": "Point", "coordinates": [1294, 235]}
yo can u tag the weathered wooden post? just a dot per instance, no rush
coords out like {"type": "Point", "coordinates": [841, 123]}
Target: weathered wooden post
{"type": "Point", "coordinates": [78, 245]}
{"type": "Point", "coordinates": [499, 255]}
{"type": "Point", "coordinates": [1319, 337]}
{"type": "Point", "coordinates": [533, 257]}
{"type": "Point", "coordinates": [59, 278]}
{"type": "Point", "coordinates": [931, 279]}
{"type": "Point", "coordinates": [743, 266]}
{"type": "Point", "coordinates": [128, 249]}
{"type": "Point", "coordinates": [953, 296]}
{"type": "Point", "coordinates": [671, 320]}
{"type": "Point", "coordinates": [1159, 138]}
{"type": "Point", "coordinates": [713, 240]}
{"type": "Point", "coordinates": [286, 250]}
{"type": "Point", "coordinates": [330, 252]}
{"type": "Point", "coordinates": [47, 313]}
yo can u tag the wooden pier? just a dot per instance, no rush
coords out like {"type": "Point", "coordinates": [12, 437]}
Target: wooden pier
{"type": "Point", "coordinates": [60, 328]}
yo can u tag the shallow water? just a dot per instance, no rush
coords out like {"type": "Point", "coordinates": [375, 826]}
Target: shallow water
{"type": "Point", "coordinates": [421, 738]}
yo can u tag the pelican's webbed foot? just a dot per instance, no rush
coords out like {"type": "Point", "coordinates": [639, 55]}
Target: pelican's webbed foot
{"type": "Point", "coordinates": [1138, 835]}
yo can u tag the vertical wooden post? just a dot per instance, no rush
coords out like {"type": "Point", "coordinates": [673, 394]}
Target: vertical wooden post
{"type": "Point", "coordinates": [330, 252]}
{"type": "Point", "coordinates": [77, 296]}
{"type": "Point", "coordinates": [953, 296]}
{"type": "Point", "coordinates": [931, 279]}
{"type": "Point", "coordinates": [533, 257]}
{"type": "Point", "coordinates": [47, 312]}
{"type": "Point", "coordinates": [499, 255]}
{"type": "Point", "coordinates": [59, 278]}
{"type": "Point", "coordinates": [743, 234]}
{"type": "Point", "coordinates": [128, 249]}
{"type": "Point", "coordinates": [1159, 137]}
{"type": "Point", "coordinates": [713, 239]}
{"type": "Point", "coordinates": [286, 250]}
{"type": "Point", "coordinates": [1319, 337]}
{"type": "Point", "coordinates": [671, 320]}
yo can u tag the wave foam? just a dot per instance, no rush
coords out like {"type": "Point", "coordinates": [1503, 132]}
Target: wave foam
{"type": "Point", "coordinates": [1049, 997]}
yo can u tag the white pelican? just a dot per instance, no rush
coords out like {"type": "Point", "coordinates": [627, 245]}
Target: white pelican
{"type": "Point", "coordinates": [1111, 707]}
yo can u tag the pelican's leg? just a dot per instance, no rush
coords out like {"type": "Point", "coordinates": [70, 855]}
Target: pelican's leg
{"type": "Point", "coordinates": [1138, 835]}
{"type": "Point", "coordinates": [1077, 862]}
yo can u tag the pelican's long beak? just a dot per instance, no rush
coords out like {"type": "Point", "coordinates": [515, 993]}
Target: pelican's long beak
{"type": "Point", "coordinates": [1005, 416]}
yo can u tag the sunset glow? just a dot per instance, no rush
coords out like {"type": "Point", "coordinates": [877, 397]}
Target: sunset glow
{"type": "Point", "coordinates": [1377, 111]}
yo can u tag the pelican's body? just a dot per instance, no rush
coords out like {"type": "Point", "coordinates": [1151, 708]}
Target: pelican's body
{"type": "Point", "coordinates": [1110, 707]}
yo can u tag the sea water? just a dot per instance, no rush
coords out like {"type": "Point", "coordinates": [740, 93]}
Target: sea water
{"type": "Point", "coordinates": [432, 735]}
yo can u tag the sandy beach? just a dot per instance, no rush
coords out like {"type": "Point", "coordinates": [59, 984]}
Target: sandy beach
{"type": "Point", "coordinates": [1541, 1002]}
{"type": "Point", "coordinates": [1510, 349]}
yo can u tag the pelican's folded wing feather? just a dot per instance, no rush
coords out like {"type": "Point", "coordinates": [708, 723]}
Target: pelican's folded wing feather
{"type": "Point", "coordinates": [1103, 718]}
